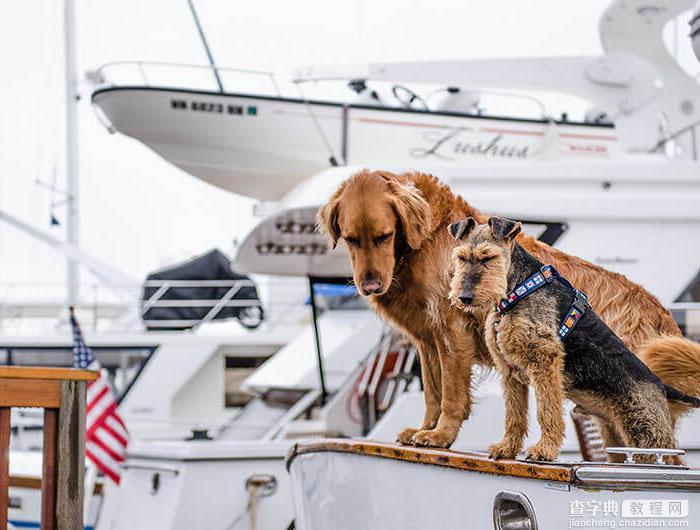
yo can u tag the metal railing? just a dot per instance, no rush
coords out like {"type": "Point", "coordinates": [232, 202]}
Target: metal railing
{"type": "Point", "coordinates": [162, 287]}
{"type": "Point", "coordinates": [99, 76]}
{"type": "Point", "coordinates": [40, 306]}
{"type": "Point", "coordinates": [31, 308]}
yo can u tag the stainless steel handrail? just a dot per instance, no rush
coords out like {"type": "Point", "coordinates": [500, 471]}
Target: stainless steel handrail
{"type": "Point", "coordinates": [630, 452]}
{"type": "Point", "coordinates": [99, 74]}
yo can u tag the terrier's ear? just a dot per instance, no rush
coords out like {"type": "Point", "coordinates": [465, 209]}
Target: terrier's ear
{"type": "Point", "coordinates": [461, 229]}
{"type": "Point", "coordinates": [504, 229]}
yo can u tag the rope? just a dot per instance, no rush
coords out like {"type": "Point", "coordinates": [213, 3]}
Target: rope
{"type": "Point", "coordinates": [253, 505]}
{"type": "Point", "coordinates": [251, 508]}
{"type": "Point", "coordinates": [331, 155]}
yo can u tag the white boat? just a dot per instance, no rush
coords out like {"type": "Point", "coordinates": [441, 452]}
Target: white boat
{"type": "Point", "coordinates": [344, 484]}
{"type": "Point", "coordinates": [264, 146]}
{"type": "Point", "coordinates": [263, 143]}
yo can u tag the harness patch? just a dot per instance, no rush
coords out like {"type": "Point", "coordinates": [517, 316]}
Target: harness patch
{"type": "Point", "coordinates": [546, 275]}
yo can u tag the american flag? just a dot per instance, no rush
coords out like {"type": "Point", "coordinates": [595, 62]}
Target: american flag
{"type": "Point", "coordinates": [107, 436]}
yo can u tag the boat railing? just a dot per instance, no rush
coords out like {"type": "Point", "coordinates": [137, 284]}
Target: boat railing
{"type": "Point", "coordinates": [145, 71]}
{"type": "Point", "coordinates": [36, 307]}
{"type": "Point", "coordinates": [158, 299]}
{"type": "Point", "coordinates": [61, 393]}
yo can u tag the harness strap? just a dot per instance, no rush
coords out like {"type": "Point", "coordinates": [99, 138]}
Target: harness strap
{"type": "Point", "coordinates": [546, 275]}
{"type": "Point", "coordinates": [578, 308]}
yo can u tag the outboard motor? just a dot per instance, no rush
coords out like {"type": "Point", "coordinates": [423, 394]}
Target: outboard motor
{"type": "Point", "coordinates": [695, 30]}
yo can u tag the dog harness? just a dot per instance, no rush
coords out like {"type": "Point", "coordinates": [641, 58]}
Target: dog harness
{"type": "Point", "coordinates": [546, 275]}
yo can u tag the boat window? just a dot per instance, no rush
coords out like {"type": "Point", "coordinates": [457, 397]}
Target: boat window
{"type": "Point", "coordinates": [123, 365]}
{"type": "Point", "coordinates": [338, 296]}
{"type": "Point", "coordinates": [237, 369]}
{"type": "Point", "coordinates": [260, 415]}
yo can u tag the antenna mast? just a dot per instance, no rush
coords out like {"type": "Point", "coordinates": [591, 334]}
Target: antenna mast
{"type": "Point", "coordinates": [71, 154]}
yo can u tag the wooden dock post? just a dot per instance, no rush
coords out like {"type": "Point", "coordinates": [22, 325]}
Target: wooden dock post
{"type": "Point", "coordinates": [71, 455]}
{"type": "Point", "coordinates": [5, 429]}
{"type": "Point", "coordinates": [62, 394]}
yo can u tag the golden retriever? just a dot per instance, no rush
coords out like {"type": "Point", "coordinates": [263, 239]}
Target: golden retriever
{"type": "Point", "coordinates": [395, 228]}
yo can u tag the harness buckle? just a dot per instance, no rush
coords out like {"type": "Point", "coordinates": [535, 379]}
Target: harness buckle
{"type": "Point", "coordinates": [549, 273]}
{"type": "Point", "coordinates": [581, 301]}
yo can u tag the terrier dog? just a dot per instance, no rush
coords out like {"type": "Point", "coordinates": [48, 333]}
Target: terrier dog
{"type": "Point", "coordinates": [543, 332]}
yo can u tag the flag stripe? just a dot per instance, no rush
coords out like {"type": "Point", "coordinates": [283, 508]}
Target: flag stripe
{"type": "Point", "coordinates": [97, 456]}
{"type": "Point", "coordinates": [118, 435]}
{"type": "Point", "coordinates": [98, 409]}
{"type": "Point", "coordinates": [95, 388]}
{"type": "Point", "coordinates": [110, 440]}
{"type": "Point", "coordinates": [117, 425]}
{"type": "Point", "coordinates": [105, 446]}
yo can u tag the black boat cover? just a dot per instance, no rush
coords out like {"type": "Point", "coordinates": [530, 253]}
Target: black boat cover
{"type": "Point", "coordinates": [213, 265]}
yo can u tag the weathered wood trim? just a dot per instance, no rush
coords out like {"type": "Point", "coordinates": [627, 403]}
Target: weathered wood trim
{"type": "Point", "coordinates": [71, 456]}
{"type": "Point", "coordinates": [5, 428]}
{"type": "Point", "coordinates": [41, 372]}
{"type": "Point", "coordinates": [47, 483]}
{"type": "Point", "coordinates": [30, 393]}
{"type": "Point", "coordinates": [25, 482]}
{"type": "Point", "coordinates": [439, 457]}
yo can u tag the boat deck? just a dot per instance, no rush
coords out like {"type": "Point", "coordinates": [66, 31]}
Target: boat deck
{"type": "Point", "coordinates": [580, 474]}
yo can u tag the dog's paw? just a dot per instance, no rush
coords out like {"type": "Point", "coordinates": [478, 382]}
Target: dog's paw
{"type": "Point", "coordinates": [542, 452]}
{"type": "Point", "coordinates": [432, 438]}
{"type": "Point", "coordinates": [405, 437]}
{"type": "Point", "coordinates": [503, 449]}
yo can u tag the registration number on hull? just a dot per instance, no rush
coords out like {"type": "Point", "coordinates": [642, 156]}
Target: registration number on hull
{"type": "Point", "coordinates": [213, 108]}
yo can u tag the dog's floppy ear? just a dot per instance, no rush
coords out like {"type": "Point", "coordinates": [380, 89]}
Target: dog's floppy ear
{"type": "Point", "coordinates": [327, 216]}
{"type": "Point", "coordinates": [503, 228]}
{"type": "Point", "coordinates": [461, 228]}
{"type": "Point", "coordinates": [413, 212]}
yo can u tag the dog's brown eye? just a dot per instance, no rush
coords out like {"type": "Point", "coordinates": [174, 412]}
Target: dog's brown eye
{"type": "Point", "coordinates": [381, 239]}
{"type": "Point", "coordinates": [462, 259]}
{"type": "Point", "coordinates": [486, 258]}
{"type": "Point", "coordinates": [353, 241]}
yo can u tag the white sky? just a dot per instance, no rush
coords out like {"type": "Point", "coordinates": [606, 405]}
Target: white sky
{"type": "Point", "coordinates": [137, 211]}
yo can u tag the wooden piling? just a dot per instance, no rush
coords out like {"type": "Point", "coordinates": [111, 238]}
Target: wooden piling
{"type": "Point", "coordinates": [5, 429]}
{"type": "Point", "coordinates": [71, 456]}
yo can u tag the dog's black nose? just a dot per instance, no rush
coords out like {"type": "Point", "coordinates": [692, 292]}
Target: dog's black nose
{"type": "Point", "coordinates": [372, 285]}
{"type": "Point", "coordinates": [466, 299]}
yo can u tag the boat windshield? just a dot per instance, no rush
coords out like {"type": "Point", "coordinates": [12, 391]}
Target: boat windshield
{"type": "Point", "coordinates": [121, 364]}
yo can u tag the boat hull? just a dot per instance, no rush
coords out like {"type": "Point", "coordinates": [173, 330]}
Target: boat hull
{"type": "Point", "coordinates": [261, 146]}
{"type": "Point", "coordinates": [351, 485]}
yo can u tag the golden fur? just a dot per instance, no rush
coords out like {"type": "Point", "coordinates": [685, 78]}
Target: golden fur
{"type": "Point", "coordinates": [407, 277]}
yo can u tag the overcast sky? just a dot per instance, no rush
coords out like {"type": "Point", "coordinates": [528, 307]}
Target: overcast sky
{"type": "Point", "coordinates": [138, 212]}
